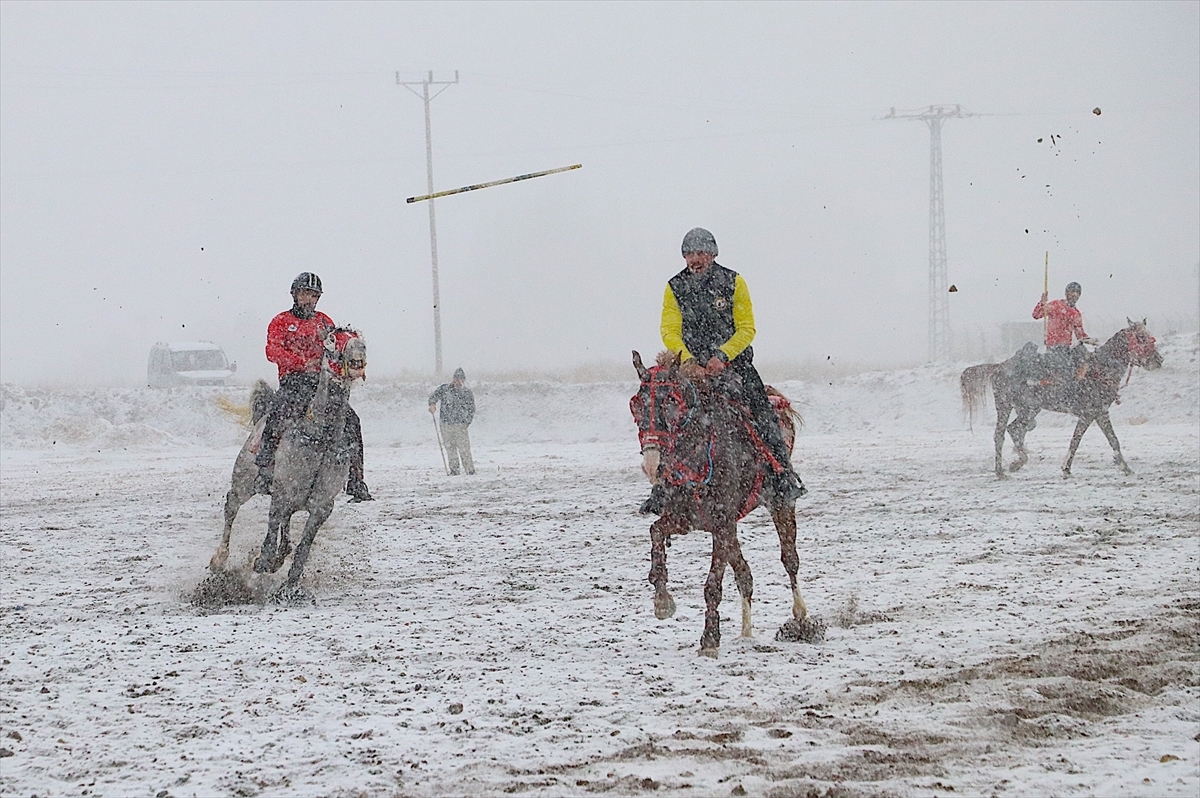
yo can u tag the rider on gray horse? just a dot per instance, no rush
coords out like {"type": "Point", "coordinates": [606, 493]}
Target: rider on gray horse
{"type": "Point", "coordinates": [295, 344]}
{"type": "Point", "coordinates": [707, 319]}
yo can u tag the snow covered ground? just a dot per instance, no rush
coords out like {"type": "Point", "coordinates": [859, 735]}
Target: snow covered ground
{"type": "Point", "coordinates": [494, 634]}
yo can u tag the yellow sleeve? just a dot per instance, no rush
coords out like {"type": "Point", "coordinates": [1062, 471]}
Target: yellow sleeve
{"type": "Point", "coordinates": [672, 325]}
{"type": "Point", "coordinates": [743, 321]}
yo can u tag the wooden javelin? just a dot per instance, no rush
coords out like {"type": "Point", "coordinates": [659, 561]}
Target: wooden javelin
{"type": "Point", "coordinates": [494, 183]}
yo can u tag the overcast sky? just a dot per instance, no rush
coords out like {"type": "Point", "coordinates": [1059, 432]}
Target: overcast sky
{"type": "Point", "coordinates": [167, 169]}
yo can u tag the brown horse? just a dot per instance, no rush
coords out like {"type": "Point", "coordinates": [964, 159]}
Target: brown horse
{"type": "Point", "coordinates": [1024, 383]}
{"type": "Point", "coordinates": [714, 473]}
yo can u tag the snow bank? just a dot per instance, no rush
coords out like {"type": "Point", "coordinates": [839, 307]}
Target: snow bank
{"type": "Point", "coordinates": [394, 412]}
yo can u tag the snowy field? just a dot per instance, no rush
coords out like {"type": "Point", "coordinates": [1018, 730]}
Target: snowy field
{"type": "Point", "coordinates": [494, 635]}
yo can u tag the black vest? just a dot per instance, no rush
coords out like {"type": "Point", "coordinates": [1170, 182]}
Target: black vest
{"type": "Point", "coordinates": [706, 302]}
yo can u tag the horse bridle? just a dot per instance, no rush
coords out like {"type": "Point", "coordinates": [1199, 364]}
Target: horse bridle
{"type": "Point", "coordinates": [344, 364]}
{"type": "Point", "coordinates": [1138, 346]}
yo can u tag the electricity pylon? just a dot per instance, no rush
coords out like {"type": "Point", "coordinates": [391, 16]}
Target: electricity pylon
{"type": "Point", "coordinates": [437, 302]}
{"type": "Point", "coordinates": [939, 296]}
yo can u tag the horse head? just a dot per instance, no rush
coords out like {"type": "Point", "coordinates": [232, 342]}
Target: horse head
{"type": "Point", "coordinates": [659, 407]}
{"type": "Point", "coordinates": [346, 355]}
{"type": "Point", "coordinates": [1140, 346]}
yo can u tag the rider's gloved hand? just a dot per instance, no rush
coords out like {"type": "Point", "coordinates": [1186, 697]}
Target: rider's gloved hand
{"type": "Point", "coordinates": [692, 369]}
{"type": "Point", "coordinates": [716, 364]}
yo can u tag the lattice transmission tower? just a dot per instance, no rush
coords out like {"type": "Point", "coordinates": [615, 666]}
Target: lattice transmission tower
{"type": "Point", "coordinates": [940, 333]}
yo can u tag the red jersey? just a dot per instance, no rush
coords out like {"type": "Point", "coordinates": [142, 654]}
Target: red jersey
{"type": "Point", "coordinates": [1064, 321]}
{"type": "Point", "coordinates": [293, 342]}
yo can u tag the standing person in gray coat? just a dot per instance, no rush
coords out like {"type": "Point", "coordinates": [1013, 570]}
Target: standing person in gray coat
{"type": "Point", "coordinates": [458, 411]}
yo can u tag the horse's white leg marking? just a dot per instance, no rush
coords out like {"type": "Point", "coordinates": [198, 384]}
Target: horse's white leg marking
{"type": "Point", "coordinates": [799, 611]}
{"type": "Point", "coordinates": [664, 606]}
{"type": "Point", "coordinates": [747, 631]}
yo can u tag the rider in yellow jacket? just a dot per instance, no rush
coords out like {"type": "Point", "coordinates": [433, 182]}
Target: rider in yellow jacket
{"type": "Point", "coordinates": [708, 319]}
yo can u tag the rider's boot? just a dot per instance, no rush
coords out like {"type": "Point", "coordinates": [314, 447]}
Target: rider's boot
{"type": "Point", "coordinates": [355, 485]}
{"type": "Point", "coordinates": [656, 503]}
{"type": "Point", "coordinates": [358, 491]}
{"type": "Point", "coordinates": [788, 486]}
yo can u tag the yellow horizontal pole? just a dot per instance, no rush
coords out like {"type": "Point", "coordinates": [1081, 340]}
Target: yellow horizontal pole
{"type": "Point", "coordinates": [493, 183]}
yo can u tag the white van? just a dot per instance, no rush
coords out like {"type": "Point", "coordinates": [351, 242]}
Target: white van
{"type": "Point", "coordinates": [188, 363]}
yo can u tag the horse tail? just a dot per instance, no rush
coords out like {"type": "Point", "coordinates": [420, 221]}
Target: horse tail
{"type": "Point", "coordinates": [973, 384]}
{"type": "Point", "coordinates": [261, 396]}
{"type": "Point", "coordinates": [790, 420]}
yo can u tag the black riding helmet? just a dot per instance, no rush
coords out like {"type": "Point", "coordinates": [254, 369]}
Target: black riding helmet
{"type": "Point", "coordinates": [306, 280]}
{"type": "Point", "coordinates": [1074, 288]}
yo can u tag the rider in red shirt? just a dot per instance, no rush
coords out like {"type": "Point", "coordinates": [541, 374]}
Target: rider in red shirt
{"type": "Point", "coordinates": [295, 343]}
{"type": "Point", "coordinates": [1064, 320]}
{"type": "Point", "coordinates": [1064, 323]}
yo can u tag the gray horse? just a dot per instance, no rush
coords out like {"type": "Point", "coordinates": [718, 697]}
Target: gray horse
{"type": "Point", "coordinates": [1024, 384]}
{"type": "Point", "coordinates": [311, 463]}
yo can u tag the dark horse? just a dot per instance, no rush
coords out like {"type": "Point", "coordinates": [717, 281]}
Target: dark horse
{"type": "Point", "coordinates": [311, 464]}
{"type": "Point", "coordinates": [1023, 383]}
{"type": "Point", "coordinates": [714, 475]}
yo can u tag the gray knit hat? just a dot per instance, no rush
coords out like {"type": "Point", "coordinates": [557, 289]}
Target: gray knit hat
{"type": "Point", "coordinates": [699, 240]}
{"type": "Point", "coordinates": [459, 374]}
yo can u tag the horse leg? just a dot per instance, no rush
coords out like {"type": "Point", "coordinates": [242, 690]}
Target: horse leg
{"type": "Point", "coordinates": [710, 640]}
{"type": "Point", "coordinates": [1023, 423]}
{"type": "Point", "coordinates": [785, 525]}
{"type": "Point", "coordinates": [234, 500]}
{"type": "Point", "coordinates": [1105, 424]}
{"type": "Point", "coordinates": [1003, 411]}
{"type": "Point", "coordinates": [275, 547]}
{"type": "Point", "coordinates": [1080, 428]}
{"type": "Point", "coordinates": [744, 580]}
{"type": "Point", "coordinates": [660, 534]}
{"type": "Point", "coordinates": [316, 517]}
{"type": "Point", "coordinates": [241, 490]}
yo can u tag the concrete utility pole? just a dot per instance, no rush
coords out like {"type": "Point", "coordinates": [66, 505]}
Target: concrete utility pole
{"type": "Point", "coordinates": [939, 297]}
{"type": "Point", "coordinates": [437, 304]}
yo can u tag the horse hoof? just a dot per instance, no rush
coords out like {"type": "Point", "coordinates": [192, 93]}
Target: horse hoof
{"type": "Point", "coordinates": [264, 565]}
{"type": "Point", "coordinates": [805, 630]}
{"type": "Point", "coordinates": [1016, 465]}
{"type": "Point", "coordinates": [290, 595]}
{"type": "Point", "coordinates": [664, 608]}
{"type": "Point", "coordinates": [711, 653]}
{"type": "Point", "coordinates": [1066, 473]}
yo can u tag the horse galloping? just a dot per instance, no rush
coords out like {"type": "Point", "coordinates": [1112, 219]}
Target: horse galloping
{"type": "Point", "coordinates": [1022, 383]}
{"type": "Point", "coordinates": [715, 473]}
{"type": "Point", "coordinates": [311, 463]}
